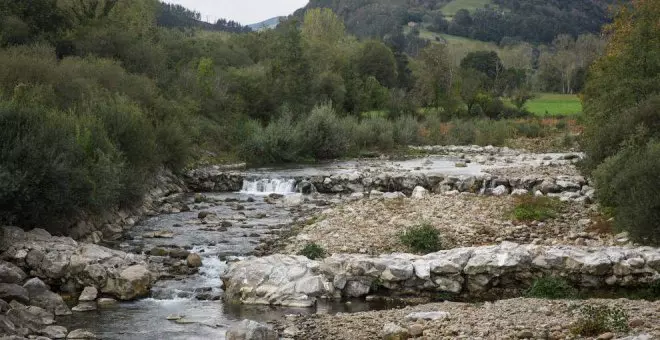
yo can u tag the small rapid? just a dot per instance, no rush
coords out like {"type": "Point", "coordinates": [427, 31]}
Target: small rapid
{"type": "Point", "coordinates": [266, 186]}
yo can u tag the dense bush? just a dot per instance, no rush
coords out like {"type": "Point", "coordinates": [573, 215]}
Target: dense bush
{"type": "Point", "coordinates": [423, 239]}
{"type": "Point", "coordinates": [627, 182]}
{"type": "Point", "coordinates": [322, 134]}
{"type": "Point", "coordinates": [531, 208]}
{"type": "Point", "coordinates": [313, 251]}
{"type": "Point", "coordinates": [595, 320]}
{"type": "Point", "coordinates": [551, 287]}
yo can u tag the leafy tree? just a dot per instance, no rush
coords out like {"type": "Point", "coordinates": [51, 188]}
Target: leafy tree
{"type": "Point", "coordinates": [486, 62]}
{"type": "Point", "coordinates": [435, 76]}
{"type": "Point", "coordinates": [377, 60]}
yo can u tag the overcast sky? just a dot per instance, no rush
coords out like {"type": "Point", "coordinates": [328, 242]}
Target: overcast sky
{"type": "Point", "coordinates": [244, 11]}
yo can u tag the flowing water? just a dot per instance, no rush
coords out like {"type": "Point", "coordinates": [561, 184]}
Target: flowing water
{"type": "Point", "coordinates": [197, 298]}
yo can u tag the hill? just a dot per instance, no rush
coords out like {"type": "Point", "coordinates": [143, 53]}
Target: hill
{"type": "Point", "coordinates": [269, 23]}
{"type": "Point", "coordinates": [533, 21]}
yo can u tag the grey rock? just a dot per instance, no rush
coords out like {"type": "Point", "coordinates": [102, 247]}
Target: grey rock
{"type": "Point", "coordinates": [84, 306]}
{"type": "Point", "coordinates": [106, 302]}
{"type": "Point", "coordinates": [392, 331]}
{"type": "Point", "coordinates": [41, 296]}
{"type": "Point", "coordinates": [132, 282]}
{"type": "Point", "coordinates": [88, 294]}
{"type": "Point", "coordinates": [30, 317]}
{"type": "Point", "coordinates": [428, 316]}
{"type": "Point", "coordinates": [500, 190]}
{"type": "Point", "coordinates": [419, 193]}
{"type": "Point", "coordinates": [10, 291]}
{"type": "Point", "coordinates": [10, 273]}
{"type": "Point", "coordinates": [251, 330]}
{"type": "Point", "coordinates": [81, 334]}
{"type": "Point", "coordinates": [54, 332]}
{"type": "Point", "coordinates": [6, 326]}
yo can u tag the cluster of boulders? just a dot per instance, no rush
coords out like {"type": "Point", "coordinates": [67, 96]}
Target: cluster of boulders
{"type": "Point", "coordinates": [474, 272]}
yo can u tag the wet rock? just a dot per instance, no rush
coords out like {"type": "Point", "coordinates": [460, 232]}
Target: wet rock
{"type": "Point", "coordinates": [194, 260]}
{"type": "Point", "coordinates": [4, 306]}
{"type": "Point", "coordinates": [392, 331]}
{"type": "Point", "coordinates": [293, 200]}
{"type": "Point", "coordinates": [54, 332]}
{"type": "Point", "coordinates": [460, 165]}
{"type": "Point", "coordinates": [84, 306]}
{"type": "Point", "coordinates": [178, 253]}
{"type": "Point", "coordinates": [10, 291]}
{"type": "Point", "coordinates": [251, 330]}
{"type": "Point", "coordinates": [31, 317]}
{"type": "Point", "coordinates": [10, 273]}
{"type": "Point", "coordinates": [202, 214]}
{"type": "Point", "coordinates": [79, 334]}
{"type": "Point", "coordinates": [41, 296]}
{"type": "Point", "coordinates": [106, 302]}
{"type": "Point", "coordinates": [133, 282]}
{"type": "Point", "coordinates": [88, 294]}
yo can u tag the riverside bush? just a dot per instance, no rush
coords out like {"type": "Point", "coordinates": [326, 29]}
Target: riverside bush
{"type": "Point", "coordinates": [530, 208]}
{"type": "Point", "coordinates": [423, 239]}
{"type": "Point", "coordinates": [551, 287]}
{"type": "Point", "coordinates": [595, 320]}
{"type": "Point", "coordinates": [627, 183]}
{"type": "Point", "coordinates": [313, 251]}
{"type": "Point", "coordinates": [322, 134]}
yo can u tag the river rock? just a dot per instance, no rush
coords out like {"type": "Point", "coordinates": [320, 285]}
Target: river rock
{"type": "Point", "coordinates": [394, 195]}
{"type": "Point", "coordinates": [31, 317]}
{"type": "Point", "coordinates": [293, 200]}
{"type": "Point", "coordinates": [433, 316]}
{"type": "Point", "coordinates": [106, 302]}
{"type": "Point", "coordinates": [251, 330]}
{"type": "Point", "coordinates": [88, 294]}
{"type": "Point", "coordinates": [41, 296]}
{"type": "Point", "coordinates": [54, 332]}
{"type": "Point", "coordinates": [194, 260]}
{"type": "Point", "coordinates": [500, 190]}
{"type": "Point", "coordinates": [84, 306]}
{"type": "Point", "coordinates": [4, 306]}
{"type": "Point", "coordinates": [10, 291]}
{"type": "Point", "coordinates": [392, 331]}
{"type": "Point", "coordinates": [81, 334]}
{"type": "Point", "coordinates": [419, 193]}
{"type": "Point", "coordinates": [10, 273]}
{"type": "Point", "coordinates": [133, 282]}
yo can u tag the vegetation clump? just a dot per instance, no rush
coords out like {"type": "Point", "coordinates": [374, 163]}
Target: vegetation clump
{"type": "Point", "coordinates": [422, 239]}
{"type": "Point", "coordinates": [594, 320]}
{"type": "Point", "coordinates": [551, 287]}
{"type": "Point", "coordinates": [313, 251]}
{"type": "Point", "coordinates": [530, 208]}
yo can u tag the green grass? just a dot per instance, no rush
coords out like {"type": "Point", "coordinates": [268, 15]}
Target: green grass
{"type": "Point", "coordinates": [551, 287]}
{"type": "Point", "coordinates": [422, 239]}
{"type": "Point", "coordinates": [554, 104]}
{"type": "Point", "coordinates": [451, 8]}
{"type": "Point", "coordinates": [313, 251]}
{"type": "Point", "coordinates": [531, 208]}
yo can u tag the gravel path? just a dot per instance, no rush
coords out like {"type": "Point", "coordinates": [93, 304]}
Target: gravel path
{"type": "Point", "coordinates": [504, 319]}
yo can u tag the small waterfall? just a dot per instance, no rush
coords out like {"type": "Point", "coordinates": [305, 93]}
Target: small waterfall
{"type": "Point", "coordinates": [269, 186]}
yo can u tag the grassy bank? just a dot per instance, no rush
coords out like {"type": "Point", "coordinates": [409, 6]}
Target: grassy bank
{"type": "Point", "coordinates": [554, 104]}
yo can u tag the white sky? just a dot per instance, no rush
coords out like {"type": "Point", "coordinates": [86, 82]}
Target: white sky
{"type": "Point", "coordinates": [244, 11]}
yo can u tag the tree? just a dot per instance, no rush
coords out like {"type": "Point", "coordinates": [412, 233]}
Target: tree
{"type": "Point", "coordinates": [486, 62]}
{"type": "Point", "coordinates": [622, 134]}
{"type": "Point", "coordinates": [434, 76]}
{"type": "Point", "coordinates": [321, 25]}
{"type": "Point", "coordinates": [377, 60]}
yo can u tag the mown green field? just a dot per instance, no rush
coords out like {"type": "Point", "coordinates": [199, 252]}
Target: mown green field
{"type": "Point", "coordinates": [451, 8]}
{"type": "Point", "coordinates": [554, 104]}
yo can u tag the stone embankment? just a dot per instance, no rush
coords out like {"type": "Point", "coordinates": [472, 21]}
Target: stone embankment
{"type": "Point", "coordinates": [477, 272]}
{"type": "Point", "coordinates": [534, 177]}
{"type": "Point", "coordinates": [32, 262]}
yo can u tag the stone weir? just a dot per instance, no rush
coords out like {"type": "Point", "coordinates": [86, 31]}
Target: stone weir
{"type": "Point", "coordinates": [477, 272]}
{"type": "Point", "coordinates": [574, 188]}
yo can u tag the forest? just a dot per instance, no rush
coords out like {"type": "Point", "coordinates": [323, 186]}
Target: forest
{"type": "Point", "coordinates": [96, 96]}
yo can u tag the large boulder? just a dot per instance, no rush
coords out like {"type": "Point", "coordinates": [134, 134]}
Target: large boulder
{"type": "Point", "coordinates": [54, 332]}
{"type": "Point", "coordinates": [81, 334]}
{"type": "Point", "coordinates": [251, 330]}
{"type": "Point", "coordinates": [31, 317]}
{"type": "Point", "coordinates": [88, 294]}
{"type": "Point", "coordinates": [10, 291]}
{"type": "Point", "coordinates": [41, 296]}
{"type": "Point", "coordinates": [10, 273]}
{"type": "Point", "coordinates": [133, 282]}
{"type": "Point", "coordinates": [419, 193]}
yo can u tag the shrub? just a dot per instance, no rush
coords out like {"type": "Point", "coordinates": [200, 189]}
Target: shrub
{"type": "Point", "coordinates": [529, 208]}
{"type": "Point", "coordinates": [627, 183]}
{"type": "Point", "coordinates": [376, 132]}
{"type": "Point", "coordinates": [276, 143]}
{"type": "Point", "coordinates": [322, 134]}
{"type": "Point", "coordinates": [406, 131]}
{"type": "Point", "coordinates": [313, 251]}
{"type": "Point", "coordinates": [490, 132]}
{"type": "Point", "coordinates": [595, 320]}
{"type": "Point", "coordinates": [551, 287]}
{"type": "Point", "coordinates": [421, 239]}
{"type": "Point", "coordinates": [529, 129]}
{"type": "Point", "coordinates": [462, 132]}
